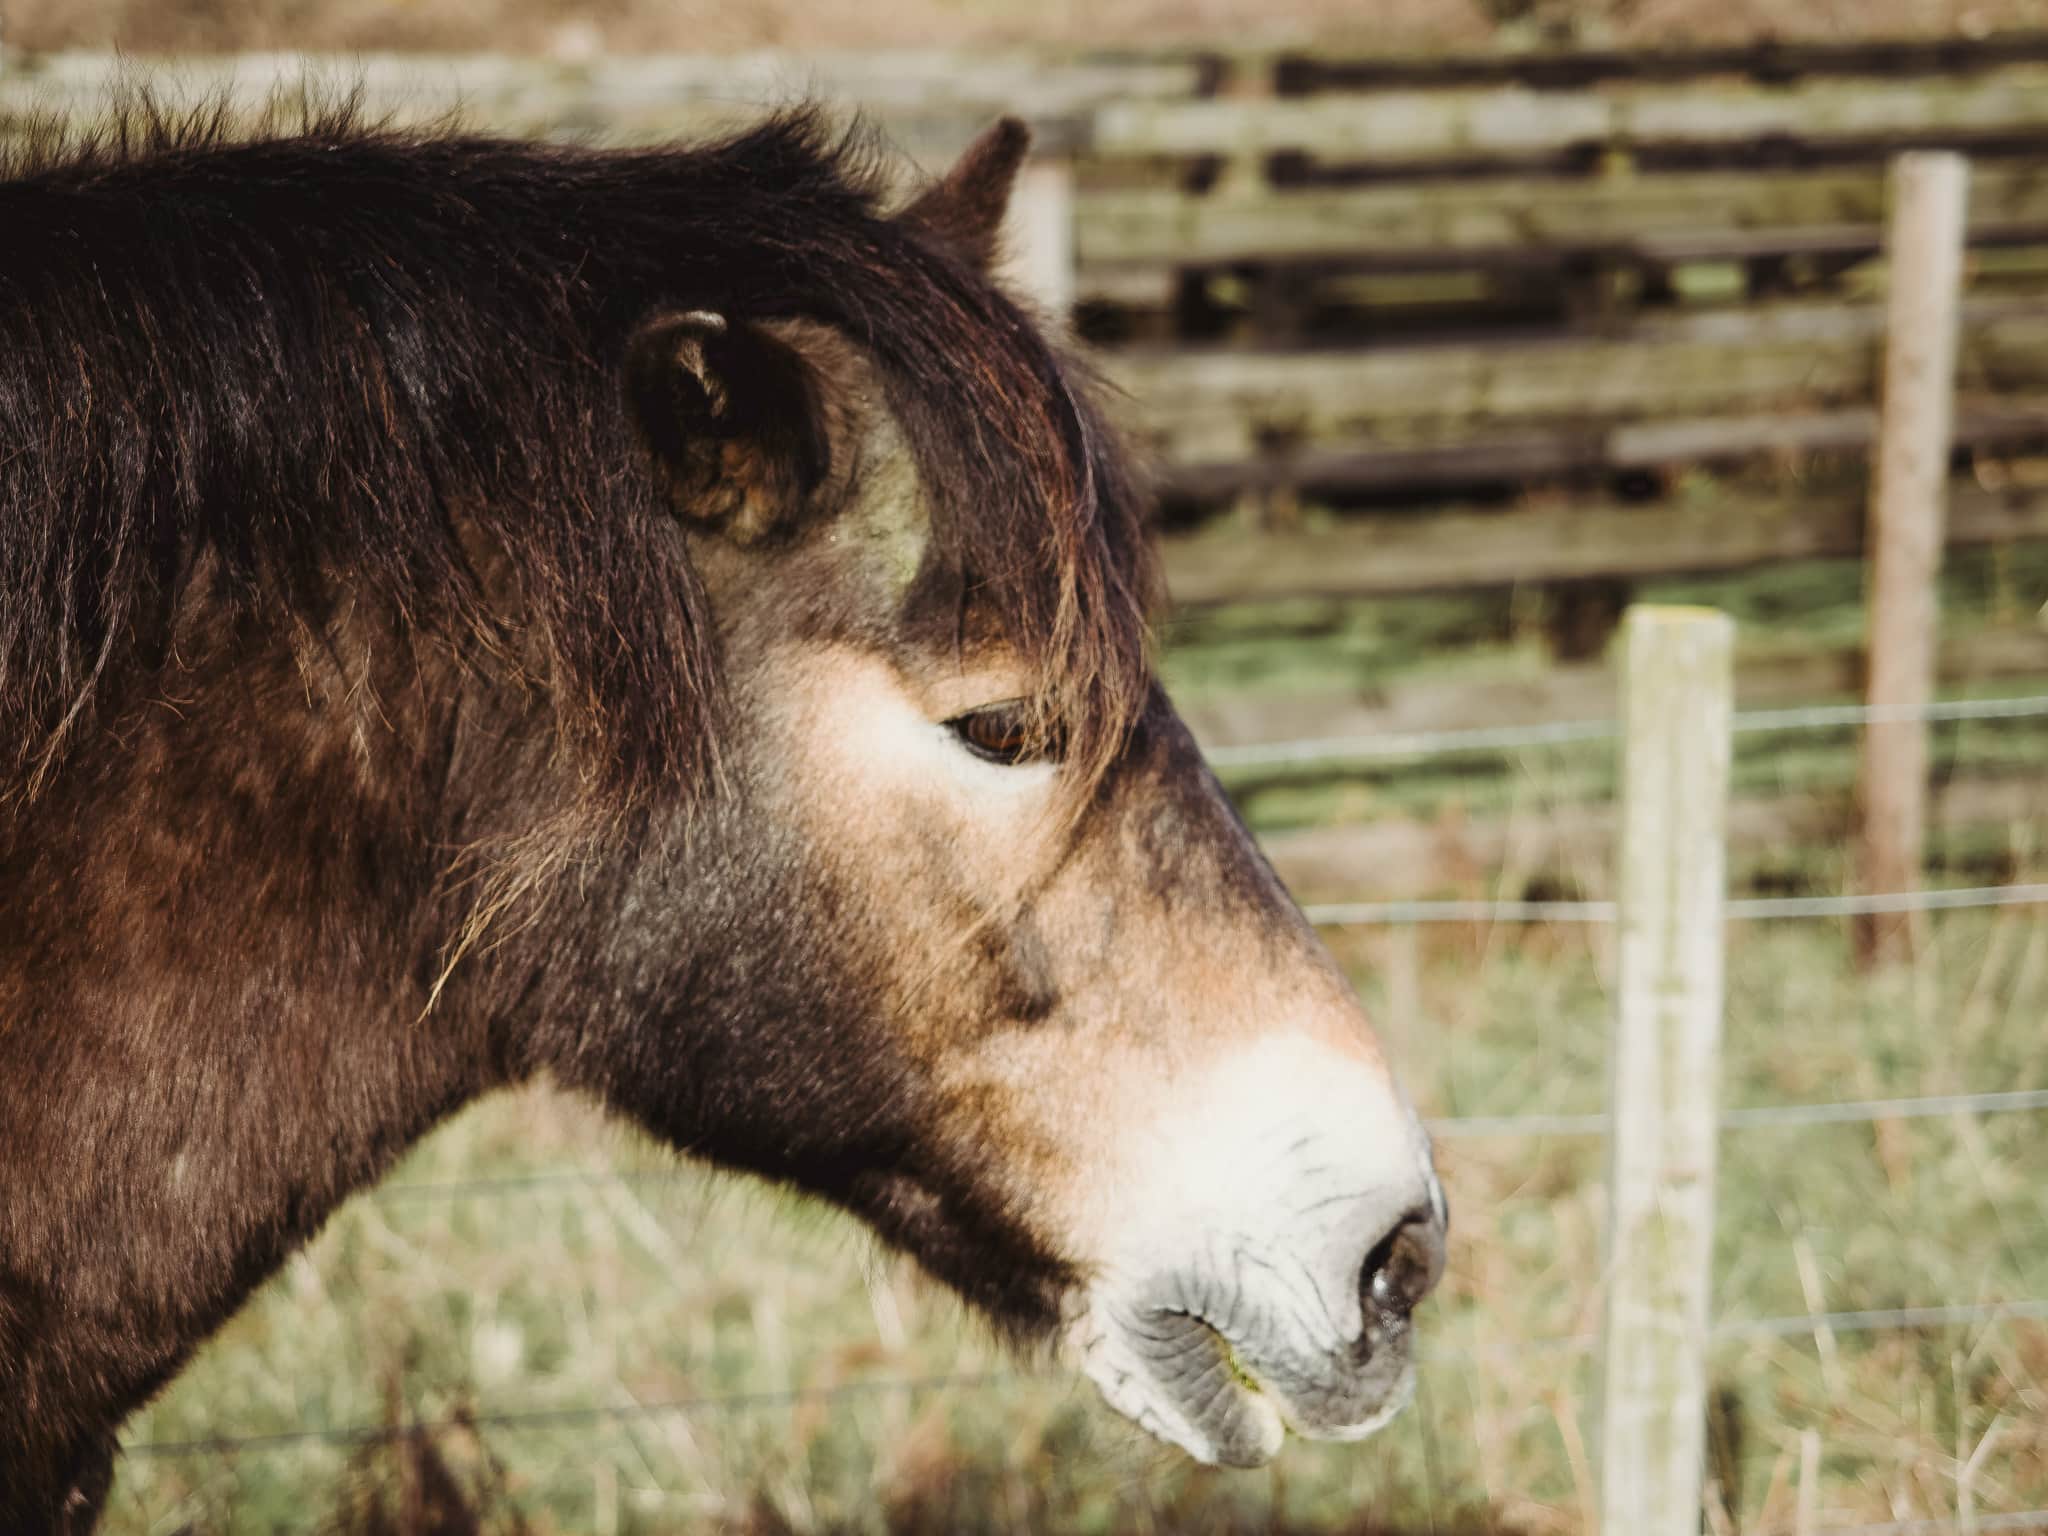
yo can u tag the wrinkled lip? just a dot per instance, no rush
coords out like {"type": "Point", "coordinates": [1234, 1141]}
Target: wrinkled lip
{"type": "Point", "coordinates": [1185, 1381]}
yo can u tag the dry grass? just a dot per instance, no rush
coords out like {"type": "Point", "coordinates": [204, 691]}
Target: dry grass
{"type": "Point", "coordinates": [684, 1289]}
{"type": "Point", "coordinates": [541, 26]}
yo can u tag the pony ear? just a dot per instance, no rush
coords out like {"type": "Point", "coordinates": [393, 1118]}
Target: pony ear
{"type": "Point", "coordinates": [964, 208]}
{"type": "Point", "coordinates": [731, 414]}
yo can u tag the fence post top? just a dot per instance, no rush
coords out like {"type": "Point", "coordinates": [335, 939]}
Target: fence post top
{"type": "Point", "coordinates": [1679, 615]}
{"type": "Point", "coordinates": [1950, 161]}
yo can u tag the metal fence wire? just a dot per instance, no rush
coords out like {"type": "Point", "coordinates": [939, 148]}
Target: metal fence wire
{"type": "Point", "coordinates": [1357, 914]}
{"type": "Point", "coordinates": [1395, 745]}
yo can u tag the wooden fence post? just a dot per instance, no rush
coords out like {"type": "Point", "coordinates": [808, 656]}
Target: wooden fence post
{"type": "Point", "coordinates": [1039, 240]}
{"type": "Point", "coordinates": [1925, 242]}
{"type": "Point", "coordinates": [1676, 701]}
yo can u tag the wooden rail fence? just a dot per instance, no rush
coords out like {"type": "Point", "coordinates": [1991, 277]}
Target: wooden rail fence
{"type": "Point", "coordinates": [1577, 320]}
{"type": "Point", "coordinates": [1509, 252]}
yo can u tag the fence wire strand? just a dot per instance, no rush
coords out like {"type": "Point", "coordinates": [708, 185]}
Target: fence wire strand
{"type": "Point", "coordinates": [558, 1418]}
{"type": "Point", "coordinates": [1883, 1320]}
{"type": "Point", "coordinates": [1761, 1116]}
{"type": "Point", "coordinates": [1897, 1319]}
{"type": "Point", "coordinates": [1368, 914]}
{"type": "Point", "coordinates": [1394, 745]}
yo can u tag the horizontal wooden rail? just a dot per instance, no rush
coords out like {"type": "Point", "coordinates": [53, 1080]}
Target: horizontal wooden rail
{"type": "Point", "coordinates": [1500, 454]}
{"type": "Point", "coordinates": [1419, 126]}
{"type": "Point", "coordinates": [1773, 60]}
{"type": "Point", "coordinates": [1399, 857]}
{"type": "Point", "coordinates": [1051, 81]}
{"type": "Point", "coordinates": [1021, 79]}
{"type": "Point", "coordinates": [930, 100]}
{"type": "Point", "coordinates": [1384, 554]}
{"type": "Point", "coordinates": [1568, 691]}
{"type": "Point", "coordinates": [1661, 216]}
{"type": "Point", "coordinates": [1124, 104]}
{"type": "Point", "coordinates": [1684, 386]}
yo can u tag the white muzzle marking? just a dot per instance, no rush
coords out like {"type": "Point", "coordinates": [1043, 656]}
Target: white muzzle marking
{"type": "Point", "coordinates": [1228, 1305]}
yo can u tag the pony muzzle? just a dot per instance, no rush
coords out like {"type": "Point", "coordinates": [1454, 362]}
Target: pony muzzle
{"type": "Point", "coordinates": [1278, 1229]}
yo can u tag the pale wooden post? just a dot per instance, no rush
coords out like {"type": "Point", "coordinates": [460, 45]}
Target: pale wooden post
{"type": "Point", "coordinates": [1676, 699]}
{"type": "Point", "coordinates": [1038, 239]}
{"type": "Point", "coordinates": [1929, 194]}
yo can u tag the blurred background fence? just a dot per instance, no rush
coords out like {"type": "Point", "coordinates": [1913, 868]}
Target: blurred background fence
{"type": "Point", "coordinates": [1444, 362]}
{"type": "Point", "coordinates": [1560, 324]}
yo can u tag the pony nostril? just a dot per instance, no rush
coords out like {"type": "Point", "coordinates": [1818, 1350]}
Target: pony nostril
{"type": "Point", "coordinates": [1404, 1265]}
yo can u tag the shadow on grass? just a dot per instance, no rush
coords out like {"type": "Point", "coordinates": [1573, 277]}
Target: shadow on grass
{"type": "Point", "coordinates": [427, 1483]}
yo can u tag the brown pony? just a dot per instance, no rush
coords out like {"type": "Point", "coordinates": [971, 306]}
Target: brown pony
{"type": "Point", "coordinates": [471, 611]}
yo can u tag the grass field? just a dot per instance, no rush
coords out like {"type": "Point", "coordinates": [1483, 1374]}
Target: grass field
{"type": "Point", "coordinates": [541, 1306]}
{"type": "Point", "coordinates": [675, 1287]}
{"type": "Point", "coordinates": [1783, 613]}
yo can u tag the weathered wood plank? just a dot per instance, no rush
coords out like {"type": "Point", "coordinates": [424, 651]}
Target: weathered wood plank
{"type": "Point", "coordinates": [1412, 127]}
{"type": "Point", "coordinates": [1653, 216]}
{"type": "Point", "coordinates": [1774, 60]}
{"type": "Point", "coordinates": [1038, 239]}
{"type": "Point", "coordinates": [1497, 453]}
{"type": "Point", "coordinates": [1572, 691]}
{"type": "Point", "coordinates": [1019, 79]}
{"type": "Point", "coordinates": [1664, 380]}
{"type": "Point", "coordinates": [1108, 74]}
{"type": "Point", "coordinates": [933, 99]}
{"type": "Point", "coordinates": [1386, 554]}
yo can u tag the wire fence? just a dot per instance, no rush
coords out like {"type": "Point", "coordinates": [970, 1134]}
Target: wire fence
{"type": "Point", "coordinates": [1349, 914]}
{"type": "Point", "coordinates": [1394, 745]}
{"type": "Point", "coordinates": [1760, 1117]}
{"type": "Point", "coordinates": [1359, 914]}
{"type": "Point", "coordinates": [1795, 1325]}
{"type": "Point", "coordinates": [569, 1417]}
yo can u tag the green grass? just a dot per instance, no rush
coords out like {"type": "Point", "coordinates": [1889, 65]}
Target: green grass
{"type": "Point", "coordinates": [1358, 647]}
{"type": "Point", "coordinates": [1813, 763]}
{"type": "Point", "coordinates": [679, 1287]}
{"type": "Point", "coordinates": [1790, 609]}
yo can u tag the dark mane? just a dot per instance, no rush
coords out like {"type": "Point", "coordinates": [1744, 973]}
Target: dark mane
{"type": "Point", "coordinates": [338, 358]}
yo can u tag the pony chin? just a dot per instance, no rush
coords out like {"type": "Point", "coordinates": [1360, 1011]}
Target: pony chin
{"type": "Point", "coordinates": [1179, 1384]}
{"type": "Point", "coordinates": [1183, 1382]}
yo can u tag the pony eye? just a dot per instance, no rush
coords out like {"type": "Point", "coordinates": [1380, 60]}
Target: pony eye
{"type": "Point", "coordinates": [1002, 733]}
